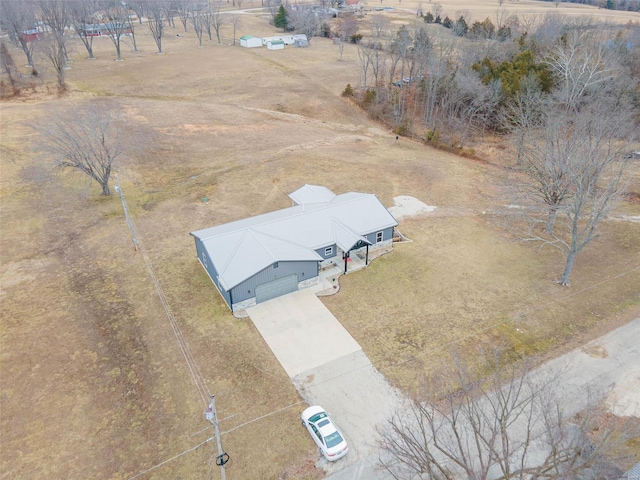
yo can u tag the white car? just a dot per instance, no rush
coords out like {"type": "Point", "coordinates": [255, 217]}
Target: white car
{"type": "Point", "coordinates": [324, 432]}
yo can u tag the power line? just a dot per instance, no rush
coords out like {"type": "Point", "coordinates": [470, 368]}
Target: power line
{"type": "Point", "coordinates": [170, 459]}
{"type": "Point", "coordinates": [192, 365]}
{"type": "Point", "coordinates": [213, 459]}
{"type": "Point", "coordinates": [194, 370]}
{"type": "Point", "coordinates": [264, 416]}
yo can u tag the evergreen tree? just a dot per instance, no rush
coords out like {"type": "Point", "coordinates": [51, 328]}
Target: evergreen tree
{"type": "Point", "coordinates": [460, 27]}
{"type": "Point", "coordinates": [281, 20]}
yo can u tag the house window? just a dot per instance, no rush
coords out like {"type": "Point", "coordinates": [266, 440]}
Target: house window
{"type": "Point", "coordinates": [379, 237]}
{"type": "Point", "coordinates": [328, 251]}
{"type": "Point", "coordinates": [204, 260]}
{"type": "Point", "coordinates": [275, 265]}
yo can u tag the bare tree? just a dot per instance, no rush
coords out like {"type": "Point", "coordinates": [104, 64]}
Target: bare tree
{"type": "Point", "coordinates": [55, 52]}
{"type": "Point", "coordinates": [273, 6]}
{"type": "Point", "coordinates": [81, 19]}
{"type": "Point", "coordinates": [577, 171]}
{"type": "Point", "coordinates": [582, 62]}
{"type": "Point", "coordinates": [155, 16]}
{"type": "Point", "coordinates": [55, 15]}
{"type": "Point", "coordinates": [85, 140]}
{"type": "Point", "coordinates": [436, 8]}
{"type": "Point", "coordinates": [183, 8]}
{"type": "Point", "coordinates": [130, 21]}
{"type": "Point", "coordinates": [508, 425]}
{"type": "Point", "coordinates": [218, 19]}
{"type": "Point", "coordinates": [206, 17]}
{"type": "Point", "coordinates": [365, 57]}
{"type": "Point", "coordinates": [439, 70]}
{"type": "Point", "coordinates": [235, 23]}
{"type": "Point", "coordinates": [8, 66]}
{"type": "Point", "coordinates": [523, 113]}
{"type": "Point", "coordinates": [305, 19]}
{"type": "Point", "coordinates": [347, 26]}
{"type": "Point", "coordinates": [197, 21]}
{"type": "Point", "coordinates": [117, 25]}
{"type": "Point", "coordinates": [380, 25]}
{"type": "Point", "coordinates": [138, 7]}
{"type": "Point", "coordinates": [18, 17]}
{"type": "Point", "coordinates": [170, 9]}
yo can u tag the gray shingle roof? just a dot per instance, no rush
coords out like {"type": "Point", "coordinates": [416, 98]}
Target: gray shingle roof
{"type": "Point", "coordinates": [243, 248]}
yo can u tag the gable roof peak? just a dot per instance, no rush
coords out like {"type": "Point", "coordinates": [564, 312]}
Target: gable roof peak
{"type": "Point", "coordinates": [312, 194]}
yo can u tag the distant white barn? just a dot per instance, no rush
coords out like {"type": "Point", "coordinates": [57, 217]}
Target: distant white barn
{"type": "Point", "coordinates": [249, 41]}
{"type": "Point", "coordinates": [275, 45]}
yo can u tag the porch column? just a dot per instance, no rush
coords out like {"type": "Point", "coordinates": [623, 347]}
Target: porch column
{"type": "Point", "coordinates": [366, 261]}
{"type": "Point", "coordinates": [346, 256]}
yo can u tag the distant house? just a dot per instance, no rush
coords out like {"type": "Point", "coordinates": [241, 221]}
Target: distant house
{"type": "Point", "coordinates": [100, 29]}
{"type": "Point", "coordinates": [32, 35]}
{"type": "Point", "coordinates": [275, 45]}
{"type": "Point", "coordinates": [249, 41]}
{"type": "Point", "coordinates": [287, 39]}
{"type": "Point", "coordinates": [263, 257]}
{"type": "Point", "coordinates": [352, 5]}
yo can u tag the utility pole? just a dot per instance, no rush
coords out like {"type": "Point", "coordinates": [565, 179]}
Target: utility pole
{"type": "Point", "coordinates": [211, 415]}
{"type": "Point", "coordinates": [126, 214]}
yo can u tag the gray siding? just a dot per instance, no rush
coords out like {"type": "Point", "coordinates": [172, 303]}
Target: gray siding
{"type": "Point", "coordinates": [247, 289]}
{"type": "Point", "coordinates": [320, 251]}
{"type": "Point", "coordinates": [388, 234]}
{"type": "Point", "coordinates": [206, 262]}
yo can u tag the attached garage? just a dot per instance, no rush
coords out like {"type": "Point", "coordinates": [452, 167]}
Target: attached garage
{"type": "Point", "coordinates": [276, 288]}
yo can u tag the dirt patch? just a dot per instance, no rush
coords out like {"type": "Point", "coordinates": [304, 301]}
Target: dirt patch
{"type": "Point", "coordinates": [595, 351]}
{"type": "Point", "coordinates": [406, 206]}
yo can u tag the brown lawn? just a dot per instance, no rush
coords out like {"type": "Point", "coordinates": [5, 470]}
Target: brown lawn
{"type": "Point", "coordinates": [94, 384]}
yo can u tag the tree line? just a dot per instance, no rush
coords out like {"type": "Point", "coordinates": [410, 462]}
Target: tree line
{"type": "Point", "coordinates": [45, 29]}
{"type": "Point", "coordinates": [564, 92]}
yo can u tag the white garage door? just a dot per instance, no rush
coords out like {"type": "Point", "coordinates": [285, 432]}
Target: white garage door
{"type": "Point", "coordinates": [278, 287]}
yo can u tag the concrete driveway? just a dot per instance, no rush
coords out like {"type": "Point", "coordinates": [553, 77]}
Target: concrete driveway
{"type": "Point", "coordinates": [329, 368]}
{"type": "Point", "coordinates": [301, 332]}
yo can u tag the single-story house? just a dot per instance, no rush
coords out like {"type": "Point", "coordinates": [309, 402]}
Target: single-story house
{"type": "Point", "coordinates": [352, 5]}
{"type": "Point", "coordinates": [32, 35]}
{"type": "Point", "coordinates": [249, 41]}
{"type": "Point", "coordinates": [275, 45]}
{"type": "Point", "coordinates": [269, 255]}
{"type": "Point", "coordinates": [102, 29]}
{"type": "Point", "coordinates": [287, 39]}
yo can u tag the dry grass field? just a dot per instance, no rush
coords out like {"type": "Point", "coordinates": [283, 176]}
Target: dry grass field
{"type": "Point", "coordinates": [93, 383]}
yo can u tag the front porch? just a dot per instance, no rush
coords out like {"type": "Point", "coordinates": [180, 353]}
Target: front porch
{"type": "Point", "coordinates": [328, 276]}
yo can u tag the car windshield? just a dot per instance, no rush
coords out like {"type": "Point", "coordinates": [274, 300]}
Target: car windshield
{"type": "Point", "coordinates": [333, 439]}
{"type": "Point", "coordinates": [317, 417]}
